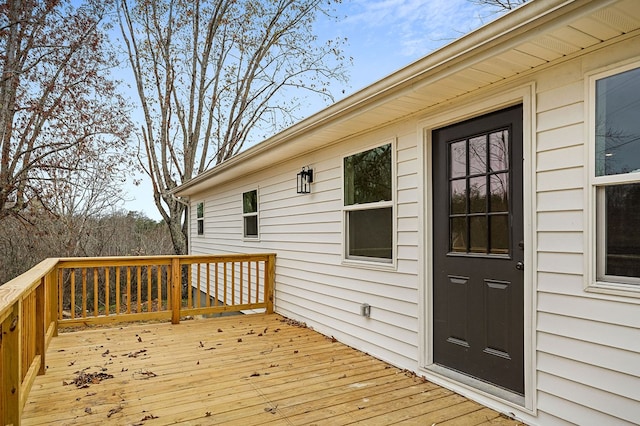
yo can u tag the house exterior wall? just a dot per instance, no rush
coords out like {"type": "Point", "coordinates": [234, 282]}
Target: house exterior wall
{"type": "Point", "coordinates": [305, 230]}
{"type": "Point", "coordinates": [588, 344]}
{"type": "Point", "coordinates": [586, 362]}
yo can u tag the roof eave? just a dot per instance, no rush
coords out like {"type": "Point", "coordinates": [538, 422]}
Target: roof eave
{"type": "Point", "coordinates": [503, 31]}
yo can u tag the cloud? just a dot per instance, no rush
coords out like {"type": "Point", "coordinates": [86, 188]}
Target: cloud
{"type": "Point", "coordinates": [416, 27]}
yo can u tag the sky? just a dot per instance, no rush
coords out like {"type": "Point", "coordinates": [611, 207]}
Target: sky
{"type": "Point", "coordinates": [383, 36]}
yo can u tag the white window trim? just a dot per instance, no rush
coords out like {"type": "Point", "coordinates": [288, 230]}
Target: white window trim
{"type": "Point", "coordinates": [594, 233]}
{"type": "Point", "coordinates": [366, 262]}
{"type": "Point", "coordinates": [246, 237]}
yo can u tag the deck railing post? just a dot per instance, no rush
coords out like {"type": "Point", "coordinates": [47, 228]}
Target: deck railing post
{"type": "Point", "coordinates": [270, 282]}
{"type": "Point", "coordinates": [10, 358]}
{"type": "Point", "coordinates": [176, 294]}
{"type": "Point", "coordinates": [55, 298]}
{"type": "Point", "coordinates": [41, 323]}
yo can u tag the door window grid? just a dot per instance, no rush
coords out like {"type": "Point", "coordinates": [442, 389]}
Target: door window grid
{"type": "Point", "coordinates": [479, 194]}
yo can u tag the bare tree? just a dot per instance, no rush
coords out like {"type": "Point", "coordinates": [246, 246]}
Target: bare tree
{"type": "Point", "coordinates": [78, 197]}
{"type": "Point", "coordinates": [59, 106]}
{"type": "Point", "coordinates": [211, 75]}
{"type": "Point", "coordinates": [500, 4]}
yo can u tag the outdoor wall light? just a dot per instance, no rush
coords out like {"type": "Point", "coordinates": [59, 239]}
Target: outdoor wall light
{"type": "Point", "coordinates": [305, 178]}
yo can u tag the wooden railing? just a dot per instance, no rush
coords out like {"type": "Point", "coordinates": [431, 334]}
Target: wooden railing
{"type": "Point", "coordinates": [87, 291]}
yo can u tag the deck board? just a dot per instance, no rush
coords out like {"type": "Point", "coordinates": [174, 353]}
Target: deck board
{"type": "Point", "coordinates": [249, 370]}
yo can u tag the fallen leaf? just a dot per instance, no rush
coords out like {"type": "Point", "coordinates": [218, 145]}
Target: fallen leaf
{"type": "Point", "coordinates": [114, 411]}
{"type": "Point", "coordinates": [144, 374]}
{"type": "Point", "coordinates": [135, 354]}
{"type": "Point", "coordinates": [271, 410]}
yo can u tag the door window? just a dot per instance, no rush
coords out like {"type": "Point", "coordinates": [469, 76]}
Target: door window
{"type": "Point", "coordinates": [479, 194]}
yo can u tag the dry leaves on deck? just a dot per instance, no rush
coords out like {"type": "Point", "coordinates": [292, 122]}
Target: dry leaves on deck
{"type": "Point", "coordinates": [83, 380]}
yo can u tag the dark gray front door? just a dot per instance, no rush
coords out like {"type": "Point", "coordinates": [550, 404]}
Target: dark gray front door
{"type": "Point", "coordinates": [478, 249]}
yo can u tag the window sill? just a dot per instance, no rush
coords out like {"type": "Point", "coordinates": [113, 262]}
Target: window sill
{"type": "Point", "coordinates": [370, 264]}
{"type": "Point", "coordinates": [616, 289]}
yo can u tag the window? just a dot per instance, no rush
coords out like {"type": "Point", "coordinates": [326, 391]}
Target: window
{"type": "Point", "coordinates": [200, 216]}
{"type": "Point", "coordinates": [368, 205]}
{"type": "Point", "coordinates": [479, 205]}
{"type": "Point", "coordinates": [616, 178]}
{"type": "Point", "coordinates": [250, 213]}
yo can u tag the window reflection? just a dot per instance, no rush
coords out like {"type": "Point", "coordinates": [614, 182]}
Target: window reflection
{"type": "Point", "coordinates": [499, 187]}
{"type": "Point", "coordinates": [478, 155]}
{"type": "Point", "coordinates": [623, 230]}
{"type": "Point", "coordinates": [367, 176]}
{"type": "Point", "coordinates": [499, 151]}
{"type": "Point", "coordinates": [618, 123]}
{"type": "Point", "coordinates": [478, 194]}
{"type": "Point", "coordinates": [458, 159]}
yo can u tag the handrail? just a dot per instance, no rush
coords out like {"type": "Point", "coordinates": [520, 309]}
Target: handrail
{"type": "Point", "coordinates": [76, 291]}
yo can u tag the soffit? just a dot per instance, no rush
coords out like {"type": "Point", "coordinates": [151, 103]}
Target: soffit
{"type": "Point", "coordinates": [518, 43]}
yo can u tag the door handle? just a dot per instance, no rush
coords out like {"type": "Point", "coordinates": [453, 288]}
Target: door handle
{"type": "Point", "coordinates": [520, 266]}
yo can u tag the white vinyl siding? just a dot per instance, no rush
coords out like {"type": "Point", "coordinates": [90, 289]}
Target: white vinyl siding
{"type": "Point", "coordinates": [588, 350]}
{"type": "Point", "coordinates": [313, 284]}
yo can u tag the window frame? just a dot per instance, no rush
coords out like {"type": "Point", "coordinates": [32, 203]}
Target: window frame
{"type": "Point", "coordinates": [255, 214]}
{"type": "Point", "coordinates": [200, 218]}
{"type": "Point", "coordinates": [366, 261]}
{"type": "Point", "coordinates": [596, 232]}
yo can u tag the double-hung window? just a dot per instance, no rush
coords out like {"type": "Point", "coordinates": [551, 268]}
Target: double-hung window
{"type": "Point", "coordinates": [368, 205]}
{"type": "Point", "coordinates": [615, 129]}
{"type": "Point", "coordinates": [250, 213]}
{"type": "Point", "coordinates": [200, 218]}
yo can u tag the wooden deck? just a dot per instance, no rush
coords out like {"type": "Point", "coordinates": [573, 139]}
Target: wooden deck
{"type": "Point", "coordinates": [253, 369]}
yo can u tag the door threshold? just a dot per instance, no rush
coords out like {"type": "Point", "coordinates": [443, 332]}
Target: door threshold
{"type": "Point", "coordinates": [478, 385]}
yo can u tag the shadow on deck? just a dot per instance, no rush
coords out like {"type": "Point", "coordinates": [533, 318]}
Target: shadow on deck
{"type": "Point", "coordinates": [247, 370]}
